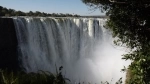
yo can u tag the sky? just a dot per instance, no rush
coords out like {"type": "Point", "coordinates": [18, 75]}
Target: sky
{"type": "Point", "coordinates": [50, 6]}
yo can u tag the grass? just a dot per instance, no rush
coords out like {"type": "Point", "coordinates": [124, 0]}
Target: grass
{"type": "Point", "coordinates": [32, 78]}
{"type": "Point", "coordinates": [42, 77]}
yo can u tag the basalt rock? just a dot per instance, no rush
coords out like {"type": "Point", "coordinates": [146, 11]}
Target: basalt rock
{"type": "Point", "coordinates": [8, 45]}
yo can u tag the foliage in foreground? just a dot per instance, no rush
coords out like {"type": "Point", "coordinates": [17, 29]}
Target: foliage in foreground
{"type": "Point", "coordinates": [38, 78]}
{"type": "Point", "coordinates": [32, 78]}
{"type": "Point", "coordinates": [129, 20]}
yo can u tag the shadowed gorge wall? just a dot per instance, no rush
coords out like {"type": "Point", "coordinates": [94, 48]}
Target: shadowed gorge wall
{"type": "Point", "coordinates": [8, 45]}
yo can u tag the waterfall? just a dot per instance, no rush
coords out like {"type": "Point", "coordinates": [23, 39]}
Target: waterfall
{"type": "Point", "coordinates": [81, 45]}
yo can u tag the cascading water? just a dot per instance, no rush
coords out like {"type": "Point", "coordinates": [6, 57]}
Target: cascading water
{"type": "Point", "coordinates": [81, 45]}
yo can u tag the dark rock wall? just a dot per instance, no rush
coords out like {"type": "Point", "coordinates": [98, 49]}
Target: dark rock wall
{"type": "Point", "coordinates": [8, 45]}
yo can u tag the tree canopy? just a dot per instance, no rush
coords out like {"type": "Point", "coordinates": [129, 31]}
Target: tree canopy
{"type": "Point", "coordinates": [11, 12]}
{"type": "Point", "coordinates": [130, 21]}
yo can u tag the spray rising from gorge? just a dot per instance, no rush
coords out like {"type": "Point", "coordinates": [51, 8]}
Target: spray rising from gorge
{"type": "Point", "coordinates": [81, 45]}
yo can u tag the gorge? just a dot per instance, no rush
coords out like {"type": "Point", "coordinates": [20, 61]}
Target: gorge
{"type": "Point", "coordinates": [82, 46]}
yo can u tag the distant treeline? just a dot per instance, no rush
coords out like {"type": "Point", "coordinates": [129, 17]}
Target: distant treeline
{"type": "Point", "coordinates": [11, 12]}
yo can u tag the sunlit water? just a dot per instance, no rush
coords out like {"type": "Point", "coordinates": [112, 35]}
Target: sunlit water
{"type": "Point", "coordinates": [81, 45]}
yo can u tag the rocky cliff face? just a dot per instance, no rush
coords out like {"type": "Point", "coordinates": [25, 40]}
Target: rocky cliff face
{"type": "Point", "coordinates": [8, 45]}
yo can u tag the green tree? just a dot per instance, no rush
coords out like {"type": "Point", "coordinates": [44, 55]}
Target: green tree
{"type": "Point", "coordinates": [30, 13]}
{"type": "Point", "coordinates": [11, 12]}
{"type": "Point", "coordinates": [1, 14]}
{"type": "Point", "coordinates": [19, 13]}
{"type": "Point", "coordinates": [130, 21]}
{"type": "Point", "coordinates": [37, 13]}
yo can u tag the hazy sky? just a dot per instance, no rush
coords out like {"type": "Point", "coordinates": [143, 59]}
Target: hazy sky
{"type": "Point", "coordinates": [50, 6]}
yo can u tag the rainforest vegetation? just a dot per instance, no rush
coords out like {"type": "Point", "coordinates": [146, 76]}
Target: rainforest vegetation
{"type": "Point", "coordinates": [130, 21]}
{"type": "Point", "coordinates": [11, 12]}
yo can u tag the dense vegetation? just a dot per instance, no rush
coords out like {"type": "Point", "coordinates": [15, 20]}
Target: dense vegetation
{"type": "Point", "coordinates": [130, 21]}
{"type": "Point", "coordinates": [11, 12]}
